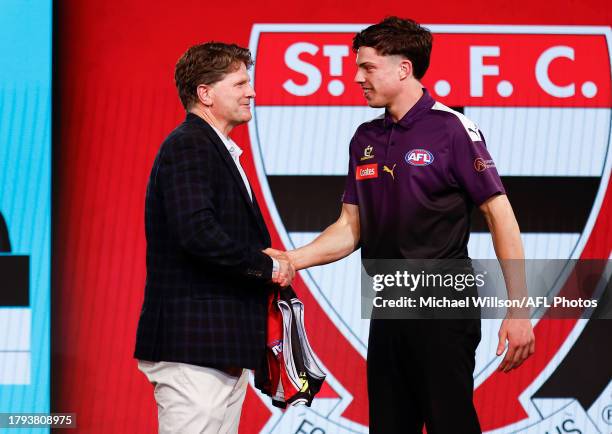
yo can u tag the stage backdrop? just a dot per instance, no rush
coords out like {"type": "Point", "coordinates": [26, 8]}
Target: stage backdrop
{"type": "Point", "coordinates": [536, 79]}
{"type": "Point", "coordinates": [25, 206]}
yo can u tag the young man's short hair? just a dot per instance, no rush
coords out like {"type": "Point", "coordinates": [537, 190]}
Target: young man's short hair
{"type": "Point", "coordinates": [397, 36]}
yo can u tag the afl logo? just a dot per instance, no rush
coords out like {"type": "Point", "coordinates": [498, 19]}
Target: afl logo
{"type": "Point", "coordinates": [419, 157]}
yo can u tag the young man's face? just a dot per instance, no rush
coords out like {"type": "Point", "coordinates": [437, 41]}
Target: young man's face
{"type": "Point", "coordinates": [231, 97]}
{"type": "Point", "coordinates": [379, 76]}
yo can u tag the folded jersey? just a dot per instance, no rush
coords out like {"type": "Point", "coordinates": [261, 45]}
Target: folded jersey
{"type": "Point", "coordinates": [290, 373]}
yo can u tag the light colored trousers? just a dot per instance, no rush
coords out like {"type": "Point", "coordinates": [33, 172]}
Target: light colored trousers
{"type": "Point", "coordinates": [195, 400]}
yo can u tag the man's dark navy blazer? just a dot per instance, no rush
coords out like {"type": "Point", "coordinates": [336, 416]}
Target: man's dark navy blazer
{"type": "Point", "coordinates": [207, 278]}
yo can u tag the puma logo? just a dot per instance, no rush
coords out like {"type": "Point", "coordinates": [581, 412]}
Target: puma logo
{"type": "Point", "coordinates": [390, 171]}
{"type": "Point", "coordinates": [475, 131]}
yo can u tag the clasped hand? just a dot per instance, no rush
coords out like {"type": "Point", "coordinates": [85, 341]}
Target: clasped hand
{"type": "Point", "coordinates": [286, 271]}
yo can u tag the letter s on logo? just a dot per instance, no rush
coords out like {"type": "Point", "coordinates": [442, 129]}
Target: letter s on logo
{"type": "Point", "coordinates": [312, 73]}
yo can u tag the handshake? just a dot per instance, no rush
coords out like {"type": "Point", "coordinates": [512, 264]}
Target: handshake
{"type": "Point", "coordinates": [286, 269]}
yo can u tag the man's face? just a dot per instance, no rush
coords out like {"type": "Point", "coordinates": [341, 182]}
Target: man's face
{"type": "Point", "coordinates": [231, 97]}
{"type": "Point", "coordinates": [379, 76]}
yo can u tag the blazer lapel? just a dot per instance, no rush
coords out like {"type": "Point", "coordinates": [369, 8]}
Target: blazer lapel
{"type": "Point", "coordinates": [229, 162]}
{"type": "Point", "coordinates": [260, 219]}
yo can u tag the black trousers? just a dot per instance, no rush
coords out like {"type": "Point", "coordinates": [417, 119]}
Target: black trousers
{"type": "Point", "coordinates": [420, 372]}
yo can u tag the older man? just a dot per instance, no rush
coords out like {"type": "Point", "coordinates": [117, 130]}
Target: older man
{"type": "Point", "coordinates": [203, 320]}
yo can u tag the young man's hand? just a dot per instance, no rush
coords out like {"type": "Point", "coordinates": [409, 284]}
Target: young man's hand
{"type": "Point", "coordinates": [521, 342]}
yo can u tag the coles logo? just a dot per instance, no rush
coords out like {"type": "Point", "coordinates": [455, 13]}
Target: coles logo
{"type": "Point", "coordinates": [419, 157]}
{"type": "Point", "coordinates": [366, 171]}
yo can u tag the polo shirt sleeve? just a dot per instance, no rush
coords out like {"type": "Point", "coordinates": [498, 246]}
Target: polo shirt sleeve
{"type": "Point", "coordinates": [350, 187]}
{"type": "Point", "coordinates": [472, 167]}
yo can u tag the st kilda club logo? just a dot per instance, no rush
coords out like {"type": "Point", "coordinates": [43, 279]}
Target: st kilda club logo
{"type": "Point", "coordinates": [514, 82]}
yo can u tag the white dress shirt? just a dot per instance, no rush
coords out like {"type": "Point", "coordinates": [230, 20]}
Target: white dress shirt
{"type": "Point", "coordinates": [236, 152]}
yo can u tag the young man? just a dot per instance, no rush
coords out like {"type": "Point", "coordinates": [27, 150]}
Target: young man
{"type": "Point", "coordinates": [203, 320]}
{"type": "Point", "coordinates": [414, 176]}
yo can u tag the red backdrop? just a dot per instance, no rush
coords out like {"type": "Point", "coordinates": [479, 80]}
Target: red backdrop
{"type": "Point", "coordinates": [116, 100]}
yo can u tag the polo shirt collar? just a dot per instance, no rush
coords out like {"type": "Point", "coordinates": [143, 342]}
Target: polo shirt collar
{"type": "Point", "coordinates": [423, 105]}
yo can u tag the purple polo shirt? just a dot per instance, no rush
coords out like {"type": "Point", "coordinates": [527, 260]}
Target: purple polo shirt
{"type": "Point", "coordinates": [416, 182]}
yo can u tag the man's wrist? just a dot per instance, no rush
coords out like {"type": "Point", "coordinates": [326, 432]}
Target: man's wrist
{"type": "Point", "coordinates": [518, 313]}
{"type": "Point", "coordinates": [293, 257]}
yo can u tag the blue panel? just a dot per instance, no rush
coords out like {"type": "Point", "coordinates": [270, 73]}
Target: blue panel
{"type": "Point", "coordinates": [25, 201]}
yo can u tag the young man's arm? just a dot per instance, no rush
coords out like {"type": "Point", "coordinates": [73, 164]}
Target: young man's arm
{"type": "Point", "coordinates": [339, 240]}
{"type": "Point", "coordinates": [516, 327]}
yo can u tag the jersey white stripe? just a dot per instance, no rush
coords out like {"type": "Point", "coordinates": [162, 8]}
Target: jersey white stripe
{"type": "Point", "coordinates": [532, 141]}
{"type": "Point", "coordinates": [545, 141]}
